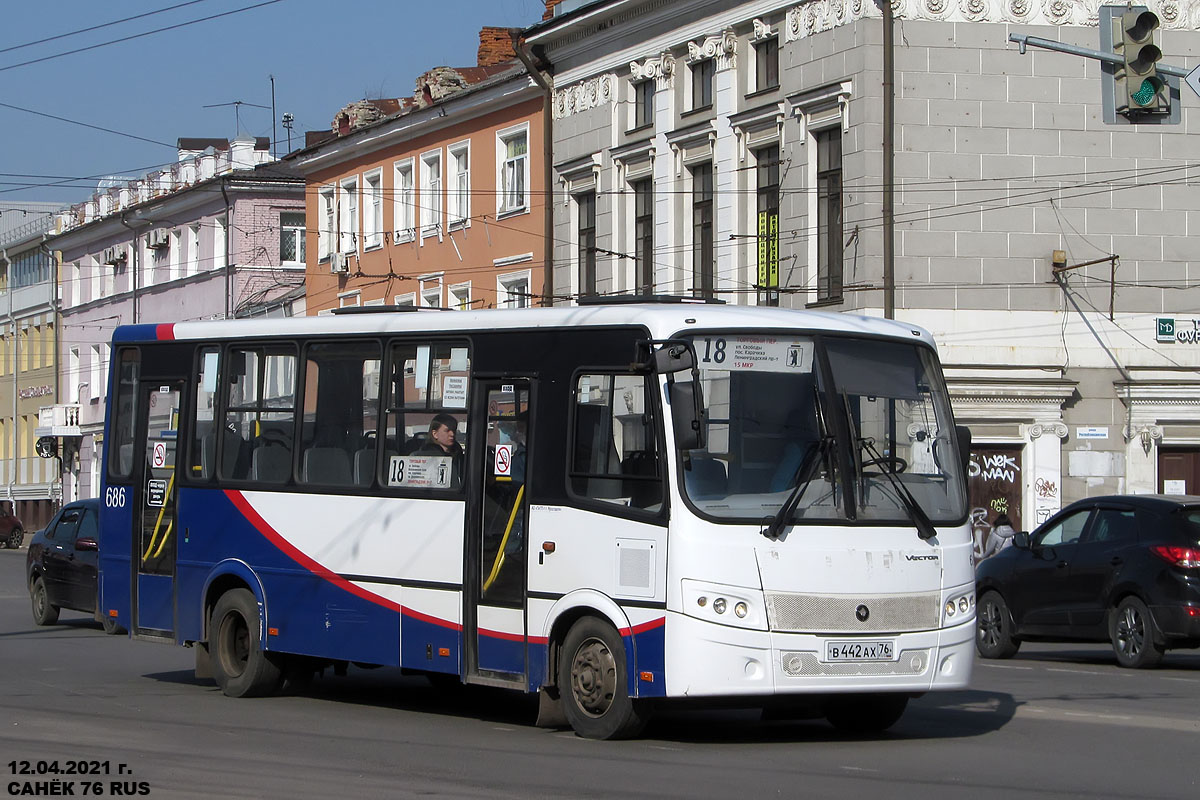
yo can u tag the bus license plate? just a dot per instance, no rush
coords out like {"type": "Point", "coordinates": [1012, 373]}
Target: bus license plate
{"type": "Point", "coordinates": [860, 651]}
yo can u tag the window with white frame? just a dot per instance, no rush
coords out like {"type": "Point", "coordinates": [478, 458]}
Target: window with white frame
{"type": "Point", "coordinates": [73, 375]}
{"type": "Point", "coordinates": [348, 221]}
{"type": "Point", "coordinates": [406, 300]}
{"type": "Point", "coordinates": [193, 251]}
{"type": "Point", "coordinates": [291, 237]}
{"type": "Point", "coordinates": [373, 209]}
{"type": "Point", "coordinates": [431, 291]}
{"type": "Point", "coordinates": [702, 83]}
{"type": "Point", "coordinates": [220, 242]}
{"type": "Point", "coordinates": [327, 226]}
{"type": "Point", "coordinates": [431, 193]}
{"type": "Point", "coordinates": [766, 64]}
{"type": "Point", "coordinates": [349, 299]}
{"type": "Point", "coordinates": [513, 157]}
{"type": "Point", "coordinates": [512, 291]}
{"type": "Point", "coordinates": [404, 214]}
{"type": "Point", "coordinates": [458, 195]}
{"type": "Point", "coordinates": [460, 296]}
{"type": "Point", "coordinates": [95, 373]}
{"type": "Point", "coordinates": [93, 268]}
{"type": "Point", "coordinates": [76, 287]}
{"type": "Point", "coordinates": [175, 255]}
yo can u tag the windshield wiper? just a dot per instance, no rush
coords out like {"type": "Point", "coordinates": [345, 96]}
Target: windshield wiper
{"type": "Point", "coordinates": [804, 476]}
{"type": "Point", "coordinates": [915, 513]}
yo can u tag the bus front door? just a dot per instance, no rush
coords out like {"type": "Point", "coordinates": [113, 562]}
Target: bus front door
{"type": "Point", "coordinates": [494, 603]}
{"type": "Point", "coordinates": [155, 531]}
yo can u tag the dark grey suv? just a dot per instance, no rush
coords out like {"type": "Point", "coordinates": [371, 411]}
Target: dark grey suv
{"type": "Point", "coordinates": [1123, 569]}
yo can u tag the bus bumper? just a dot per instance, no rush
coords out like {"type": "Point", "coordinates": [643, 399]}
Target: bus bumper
{"type": "Point", "coordinates": [709, 660]}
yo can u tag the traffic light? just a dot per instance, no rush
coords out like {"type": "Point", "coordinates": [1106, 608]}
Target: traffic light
{"type": "Point", "coordinates": [1140, 89]}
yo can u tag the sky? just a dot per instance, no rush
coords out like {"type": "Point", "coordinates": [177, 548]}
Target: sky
{"type": "Point", "coordinates": [150, 90]}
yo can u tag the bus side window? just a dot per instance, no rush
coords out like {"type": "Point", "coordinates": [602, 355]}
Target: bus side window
{"type": "Point", "coordinates": [259, 415]}
{"type": "Point", "coordinates": [203, 457]}
{"type": "Point", "coordinates": [124, 414]}
{"type": "Point", "coordinates": [341, 413]}
{"type": "Point", "coordinates": [614, 457]}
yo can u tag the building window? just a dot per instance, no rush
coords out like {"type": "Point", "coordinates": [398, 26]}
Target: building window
{"type": "Point", "coordinates": [193, 258]}
{"type": "Point", "coordinates": [643, 104]}
{"type": "Point", "coordinates": [406, 204]}
{"type": "Point", "coordinates": [431, 193]}
{"type": "Point", "coordinates": [406, 300]}
{"type": "Point", "coordinates": [96, 373]}
{"type": "Point", "coordinates": [328, 220]}
{"type": "Point", "coordinates": [291, 237]}
{"type": "Point", "coordinates": [458, 198]}
{"type": "Point", "coordinates": [348, 222]}
{"type": "Point", "coordinates": [766, 64]}
{"type": "Point", "coordinates": [767, 170]}
{"type": "Point", "coordinates": [460, 296]}
{"type": "Point", "coordinates": [373, 209]}
{"type": "Point", "coordinates": [586, 205]}
{"type": "Point", "coordinates": [512, 291]}
{"type": "Point", "coordinates": [702, 231]}
{"type": "Point", "coordinates": [431, 291]}
{"type": "Point", "coordinates": [350, 299]}
{"type": "Point", "coordinates": [220, 243]}
{"type": "Point", "coordinates": [514, 170]}
{"type": "Point", "coordinates": [829, 213]}
{"type": "Point", "coordinates": [702, 83]}
{"type": "Point", "coordinates": [643, 234]}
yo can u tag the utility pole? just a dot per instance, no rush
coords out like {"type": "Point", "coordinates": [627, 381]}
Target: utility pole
{"type": "Point", "coordinates": [889, 155]}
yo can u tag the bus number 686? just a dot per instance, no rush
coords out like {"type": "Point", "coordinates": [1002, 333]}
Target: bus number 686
{"type": "Point", "coordinates": [114, 497]}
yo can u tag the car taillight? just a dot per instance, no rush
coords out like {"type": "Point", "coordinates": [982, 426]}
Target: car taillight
{"type": "Point", "coordinates": [1178, 556]}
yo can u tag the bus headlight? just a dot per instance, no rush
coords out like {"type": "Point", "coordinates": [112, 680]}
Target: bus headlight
{"type": "Point", "coordinates": [957, 607]}
{"type": "Point", "coordinates": [713, 602]}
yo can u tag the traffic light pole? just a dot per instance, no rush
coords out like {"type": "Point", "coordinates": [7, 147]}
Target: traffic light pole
{"type": "Point", "coordinates": [1024, 41]}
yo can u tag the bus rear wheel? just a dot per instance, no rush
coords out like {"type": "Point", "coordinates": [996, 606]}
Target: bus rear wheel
{"type": "Point", "coordinates": [593, 683]}
{"type": "Point", "coordinates": [239, 665]}
{"type": "Point", "coordinates": [864, 714]}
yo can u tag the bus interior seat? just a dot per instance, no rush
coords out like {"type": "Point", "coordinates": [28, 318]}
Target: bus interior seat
{"type": "Point", "coordinates": [232, 457]}
{"type": "Point", "coordinates": [364, 466]}
{"type": "Point", "coordinates": [326, 465]}
{"type": "Point", "coordinates": [413, 444]}
{"type": "Point", "coordinates": [706, 477]}
{"type": "Point", "coordinates": [271, 463]}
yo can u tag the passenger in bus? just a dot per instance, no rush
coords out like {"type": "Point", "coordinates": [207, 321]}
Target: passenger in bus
{"type": "Point", "coordinates": [443, 432]}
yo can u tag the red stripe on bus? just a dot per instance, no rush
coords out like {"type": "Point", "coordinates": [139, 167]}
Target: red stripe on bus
{"type": "Point", "coordinates": [312, 566]}
{"type": "Point", "coordinates": [165, 332]}
{"type": "Point", "coordinates": [508, 637]}
{"type": "Point", "coordinates": [442, 623]}
{"type": "Point", "coordinates": [644, 627]}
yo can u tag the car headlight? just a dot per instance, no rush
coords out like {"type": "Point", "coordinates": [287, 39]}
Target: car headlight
{"type": "Point", "coordinates": [726, 605]}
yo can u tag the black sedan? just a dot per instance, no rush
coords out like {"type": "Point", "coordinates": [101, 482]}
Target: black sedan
{"type": "Point", "coordinates": [1123, 569]}
{"type": "Point", "coordinates": [61, 565]}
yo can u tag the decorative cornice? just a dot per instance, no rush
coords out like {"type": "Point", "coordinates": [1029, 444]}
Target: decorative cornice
{"type": "Point", "coordinates": [584, 95]}
{"type": "Point", "coordinates": [660, 68]}
{"type": "Point", "coordinates": [762, 30]}
{"type": "Point", "coordinates": [822, 15]}
{"type": "Point", "coordinates": [1059, 429]}
{"type": "Point", "coordinates": [722, 48]}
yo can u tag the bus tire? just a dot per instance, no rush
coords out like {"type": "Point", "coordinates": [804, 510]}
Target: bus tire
{"type": "Point", "coordinates": [864, 714]}
{"type": "Point", "coordinates": [240, 666]}
{"type": "Point", "coordinates": [593, 681]}
{"type": "Point", "coordinates": [43, 612]}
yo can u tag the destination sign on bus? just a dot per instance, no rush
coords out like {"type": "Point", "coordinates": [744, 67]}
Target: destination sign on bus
{"type": "Point", "coordinates": [424, 472]}
{"type": "Point", "coordinates": [758, 353]}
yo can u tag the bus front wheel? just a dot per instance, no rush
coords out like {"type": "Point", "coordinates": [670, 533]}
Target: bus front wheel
{"type": "Point", "coordinates": [239, 664]}
{"type": "Point", "coordinates": [593, 683]}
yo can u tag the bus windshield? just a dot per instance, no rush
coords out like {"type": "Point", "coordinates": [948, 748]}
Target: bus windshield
{"type": "Point", "coordinates": [850, 429]}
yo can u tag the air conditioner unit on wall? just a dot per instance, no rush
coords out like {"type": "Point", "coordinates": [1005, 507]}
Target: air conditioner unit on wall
{"type": "Point", "coordinates": [160, 237]}
{"type": "Point", "coordinates": [114, 255]}
{"type": "Point", "coordinates": [339, 262]}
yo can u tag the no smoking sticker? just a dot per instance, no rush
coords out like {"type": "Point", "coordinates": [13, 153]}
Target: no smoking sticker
{"type": "Point", "coordinates": [503, 462]}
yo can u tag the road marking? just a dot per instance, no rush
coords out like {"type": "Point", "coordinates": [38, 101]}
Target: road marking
{"type": "Point", "coordinates": [1124, 720]}
{"type": "Point", "coordinates": [1182, 680]}
{"type": "Point", "coordinates": [858, 769]}
{"type": "Point", "coordinates": [1002, 666]}
{"type": "Point", "coordinates": [1075, 671]}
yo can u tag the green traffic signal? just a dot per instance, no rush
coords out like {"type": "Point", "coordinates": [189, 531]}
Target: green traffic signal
{"type": "Point", "coordinates": [1147, 92]}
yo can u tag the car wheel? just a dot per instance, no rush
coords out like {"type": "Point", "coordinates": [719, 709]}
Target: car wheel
{"type": "Point", "coordinates": [43, 612]}
{"type": "Point", "coordinates": [593, 683]}
{"type": "Point", "coordinates": [1131, 629]}
{"type": "Point", "coordinates": [994, 628]}
{"type": "Point", "coordinates": [16, 538]}
{"type": "Point", "coordinates": [864, 714]}
{"type": "Point", "coordinates": [239, 664]}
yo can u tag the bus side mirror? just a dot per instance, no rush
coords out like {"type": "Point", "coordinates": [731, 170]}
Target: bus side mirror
{"type": "Point", "coordinates": [686, 415]}
{"type": "Point", "coordinates": [673, 358]}
{"type": "Point", "coordinates": [964, 448]}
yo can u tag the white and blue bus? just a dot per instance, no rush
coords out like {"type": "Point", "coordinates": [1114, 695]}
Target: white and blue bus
{"type": "Point", "coordinates": [615, 506]}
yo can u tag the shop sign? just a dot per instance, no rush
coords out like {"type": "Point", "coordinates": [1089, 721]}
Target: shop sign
{"type": "Point", "coordinates": [35, 391]}
{"type": "Point", "coordinates": [1183, 331]}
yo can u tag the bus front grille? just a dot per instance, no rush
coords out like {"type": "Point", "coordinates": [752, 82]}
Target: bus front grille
{"type": "Point", "coordinates": [807, 664]}
{"type": "Point", "coordinates": [815, 613]}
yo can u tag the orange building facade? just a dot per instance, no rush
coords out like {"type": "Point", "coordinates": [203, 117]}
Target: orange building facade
{"type": "Point", "coordinates": [440, 204]}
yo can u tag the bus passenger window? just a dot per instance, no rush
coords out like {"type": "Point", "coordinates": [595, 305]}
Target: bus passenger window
{"type": "Point", "coordinates": [426, 399]}
{"type": "Point", "coordinates": [124, 414]}
{"type": "Point", "coordinates": [614, 456]}
{"type": "Point", "coordinates": [255, 442]}
{"type": "Point", "coordinates": [340, 422]}
{"type": "Point", "coordinates": [204, 438]}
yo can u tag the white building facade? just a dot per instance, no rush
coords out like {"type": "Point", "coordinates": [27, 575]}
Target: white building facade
{"type": "Point", "coordinates": [735, 150]}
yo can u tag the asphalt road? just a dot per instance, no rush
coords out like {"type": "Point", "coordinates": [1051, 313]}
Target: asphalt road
{"type": "Point", "coordinates": [1056, 721]}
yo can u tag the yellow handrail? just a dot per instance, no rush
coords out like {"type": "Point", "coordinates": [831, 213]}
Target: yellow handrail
{"type": "Point", "coordinates": [157, 523]}
{"type": "Point", "coordinates": [504, 541]}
